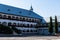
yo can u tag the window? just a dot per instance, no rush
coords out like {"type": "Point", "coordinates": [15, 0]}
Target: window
{"type": "Point", "coordinates": [23, 18]}
{"type": "Point", "coordinates": [27, 25]}
{"type": "Point", "coordinates": [38, 21]}
{"type": "Point", "coordinates": [4, 23]}
{"type": "Point", "coordinates": [9, 17]}
{"type": "Point", "coordinates": [17, 18]}
{"type": "Point", "coordinates": [26, 19]}
{"type": "Point", "coordinates": [29, 19]}
{"type": "Point", "coordinates": [8, 9]}
{"type": "Point", "coordinates": [4, 16]}
{"type": "Point", "coordinates": [13, 17]}
{"type": "Point", "coordinates": [9, 24]}
{"type": "Point", "coordinates": [21, 25]}
{"type": "Point", "coordinates": [31, 30]}
{"type": "Point", "coordinates": [23, 30]}
{"type": "Point", "coordinates": [37, 25]}
{"type": "Point", "coordinates": [27, 30]}
{"type": "Point", "coordinates": [32, 20]}
{"type": "Point", "coordinates": [14, 24]}
{"type": "Point", "coordinates": [20, 18]}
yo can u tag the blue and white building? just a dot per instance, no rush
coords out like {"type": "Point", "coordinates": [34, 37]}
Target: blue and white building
{"type": "Point", "coordinates": [22, 19]}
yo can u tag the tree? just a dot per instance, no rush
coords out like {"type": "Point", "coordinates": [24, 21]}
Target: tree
{"type": "Point", "coordinates": [56, 25]}
{"type": "Point", "coordinates": [51, 26]}
{"type": "Point", "coordinates": [5, 29]}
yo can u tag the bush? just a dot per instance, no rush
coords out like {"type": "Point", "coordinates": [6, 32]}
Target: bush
{"type": "Point", "coordinates": [5, 29]}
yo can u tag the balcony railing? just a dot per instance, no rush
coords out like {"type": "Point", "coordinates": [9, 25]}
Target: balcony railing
{"type": "Point", "coordinates": [19, 18]}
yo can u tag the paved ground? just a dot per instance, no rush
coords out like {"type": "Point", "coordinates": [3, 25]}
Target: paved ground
{"type": "Point", "coordinates": [32, 38]}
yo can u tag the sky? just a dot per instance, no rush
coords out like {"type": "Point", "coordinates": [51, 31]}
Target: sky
{"type": "Point", "coordinates": [45, 8]}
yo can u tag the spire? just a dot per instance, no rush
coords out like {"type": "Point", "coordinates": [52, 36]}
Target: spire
{"type": "Point", "coordinates": [31, 9]}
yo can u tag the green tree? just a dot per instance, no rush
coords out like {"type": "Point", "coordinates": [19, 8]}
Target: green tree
{"type": "Point", "coordinates": [51, 26]}
{"type": "Point", "coordinates": [5, 29]}
{"type": "Point", "coordinates": [56, 25]}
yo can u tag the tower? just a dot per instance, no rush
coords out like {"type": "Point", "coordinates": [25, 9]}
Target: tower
{"type": "Point", "coordinates": [31, 9]}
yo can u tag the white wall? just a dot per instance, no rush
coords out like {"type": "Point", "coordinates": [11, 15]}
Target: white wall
{"type": "Point", "coordinates": [14, 21]}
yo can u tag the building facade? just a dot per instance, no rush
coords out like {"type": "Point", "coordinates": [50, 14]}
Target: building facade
{"type": "Point", "coordinates": [24, 20]}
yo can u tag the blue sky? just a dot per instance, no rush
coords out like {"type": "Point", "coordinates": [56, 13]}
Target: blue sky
{"type": "Point", "coordinates": [45, 8]}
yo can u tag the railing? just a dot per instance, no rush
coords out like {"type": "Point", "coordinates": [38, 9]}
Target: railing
{"type": "Point", "coordinates": [19, 18]}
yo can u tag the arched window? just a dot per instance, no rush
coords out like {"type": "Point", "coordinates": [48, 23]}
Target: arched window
{"type": "Point", "coordinates": [20, 18]}
{"type": "Point", "coordinates": [14, 24]}
{"type": "Point", "coordinates": [4, 16]}
{"type": "Point", "coordinates": [27, 25]}
{"type": "Point", "coordinates": [21, 25]}
{"type": "Point", "coordinates": [4, 23]}
{"type": "Point", "coordinates": [29, 19]}
{"type": "Point", "coordinates": [23, 19]}
{"type": "Point", "coordinates": [13, 17]}
{"type": "Point", "coordinates": [17, 18]}
{"type": "Point", "coordinates": [36, 20]}
{"type": "Point", "coordinates": [32, 20]}
{"type": "Point", "coordinates": [9, 17]}
{"type": "Point", "coordinates": [9, 23]}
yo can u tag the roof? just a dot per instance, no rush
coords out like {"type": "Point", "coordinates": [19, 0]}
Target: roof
{"type": "Point", "coordinates": [18, 11]}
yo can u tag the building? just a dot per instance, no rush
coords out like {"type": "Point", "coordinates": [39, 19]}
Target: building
{"type": "Point", "coordinates": [22, 19]}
